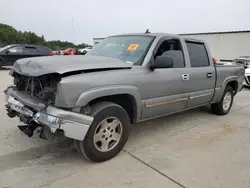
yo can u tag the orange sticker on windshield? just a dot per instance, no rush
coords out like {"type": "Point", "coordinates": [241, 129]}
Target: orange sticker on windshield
{"type": "Point", "coordinates": [132, 47]}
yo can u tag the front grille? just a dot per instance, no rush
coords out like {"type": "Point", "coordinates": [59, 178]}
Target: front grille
{"type": "Point", "coordinates": [43, 87]}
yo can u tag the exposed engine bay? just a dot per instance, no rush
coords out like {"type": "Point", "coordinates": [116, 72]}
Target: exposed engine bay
{"type": "Point", "coordinates": [43, 87]}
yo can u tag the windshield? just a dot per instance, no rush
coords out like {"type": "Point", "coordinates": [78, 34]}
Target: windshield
{"type": "Point", "coordinates": [130, 49]}
{"type": "Point", "coordinates": [4, 48]}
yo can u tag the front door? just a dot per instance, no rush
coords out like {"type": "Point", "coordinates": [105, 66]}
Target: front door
{"type": "Point", "coordinates": [13, 54]}
{"type": "Point", "coordinates": [167, 91]}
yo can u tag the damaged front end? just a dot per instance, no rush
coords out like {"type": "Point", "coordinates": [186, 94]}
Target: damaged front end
{"type": "Point", "coordinates": [32, 100]}
{"type": "Point", "coordinates": [44, 87]}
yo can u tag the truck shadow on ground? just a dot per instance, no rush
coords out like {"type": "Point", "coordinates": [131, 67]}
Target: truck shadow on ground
{"type": "Point", "coordinates": [50, 154]}
{"type": "Point", "coordinates": [65, 152]}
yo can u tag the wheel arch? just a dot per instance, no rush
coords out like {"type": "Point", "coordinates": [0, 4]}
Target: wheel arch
{"type": "Point", "coordinates": [230, 81]}
{"type": "Point", "coordinates": [126, 96]}
{"type": "Point", "coordinates": [234, 84]}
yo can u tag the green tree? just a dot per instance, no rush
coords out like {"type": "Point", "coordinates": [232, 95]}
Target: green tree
{"type": "Point", "coordinates": [9, 35]}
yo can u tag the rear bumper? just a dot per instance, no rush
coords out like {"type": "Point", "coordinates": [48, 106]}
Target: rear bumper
{"type": "Point", "coordinates": [74, 125]}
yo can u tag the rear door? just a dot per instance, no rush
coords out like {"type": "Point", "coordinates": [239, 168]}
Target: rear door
{"type": "Point", "coordinates": [30, 51]}
{"type": "Point", "coordinates": [201, 74]}
{"type": "Point", "coordinates": [44, 51]}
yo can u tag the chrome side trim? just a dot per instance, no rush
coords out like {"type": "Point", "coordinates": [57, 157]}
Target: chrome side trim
{"type": "Point", "coordinates": [165, 102]}
{"type": "Point", "coordinates": [172, 113]}
{"type": "Point", "coordinates": [203, 95]}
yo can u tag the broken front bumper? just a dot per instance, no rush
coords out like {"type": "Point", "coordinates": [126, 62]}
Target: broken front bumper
{"type": "Point", "coordinates": [74, 125]}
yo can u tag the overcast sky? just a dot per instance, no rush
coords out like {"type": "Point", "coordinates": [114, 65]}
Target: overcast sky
{"type": "Point", "coordinates": [101, 18]}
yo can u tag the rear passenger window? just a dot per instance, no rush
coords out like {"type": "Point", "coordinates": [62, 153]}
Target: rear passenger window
{"type": "Point", "coordinates": [43, 49]}
{"type": "Point", "coordinates": [198, 54]}
{"type": "Point", "coordinates": [29, 50]}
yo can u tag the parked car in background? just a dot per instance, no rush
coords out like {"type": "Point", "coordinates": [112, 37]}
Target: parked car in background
{"type": "Point", "coordinates": [69, 51]}
{"type": "Point", "coordinates": [247, 77]}
{"type": "Point", "coordinates": [226, 63]}
{"type": "Point", "coordinates": [217, 62]}
{"type": "Point", "coordinates": [9, 54]}
{"type": "Point", "coordinates": [243, 60]}
{"type": "Point", "coordinates": [85, 50]}
{"type": "Point", "coordinates": [123, 80]}
{"type": "Point", "coordinates": [56, 52]}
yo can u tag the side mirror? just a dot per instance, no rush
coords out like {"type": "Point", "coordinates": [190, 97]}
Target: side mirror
{"type": "Point", "coordinates": [6, 52]}
{"type": "Point", "coordinates": [161, 62]}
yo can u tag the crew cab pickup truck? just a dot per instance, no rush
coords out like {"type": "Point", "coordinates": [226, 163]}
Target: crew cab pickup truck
{"type": "Point", "coordinates": [125, 79]}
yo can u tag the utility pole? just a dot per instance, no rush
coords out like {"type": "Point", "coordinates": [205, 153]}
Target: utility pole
{"type": "Point", "coordinates": [73, 25]}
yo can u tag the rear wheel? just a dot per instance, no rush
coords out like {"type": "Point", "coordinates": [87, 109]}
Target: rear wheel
{"type": "Point", "coordinates": [108, 133]}
{"type": "Point", "coordinates": [225, 103]}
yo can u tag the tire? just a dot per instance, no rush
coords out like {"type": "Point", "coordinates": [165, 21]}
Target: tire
{"type": "Point", "coordinates": [111, 121]}
{"type": "Point", "coordinates": [219, 108]}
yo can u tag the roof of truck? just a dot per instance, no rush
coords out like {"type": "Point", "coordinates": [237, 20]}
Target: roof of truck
{"type": "Point", "coordinates": [159, 35]}
{"type": "Point", "coordinates": [148, 34]}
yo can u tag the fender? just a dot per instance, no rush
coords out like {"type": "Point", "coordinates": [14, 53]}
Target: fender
{"type": "Point", "coordinates": [225, 82]}
{"type": "Point", "coordinates": [98, 92]}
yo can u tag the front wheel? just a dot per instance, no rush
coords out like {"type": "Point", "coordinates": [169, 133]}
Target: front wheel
{"type": "Point", "coordinates": [224, 105]}
{"type": "Point", "coordinates": [108, 133]}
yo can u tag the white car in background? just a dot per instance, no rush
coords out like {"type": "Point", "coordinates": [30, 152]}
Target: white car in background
{"type": "Point", "coordinates": [245, 61]}
{"type": "Point", "coordinates": [85, 50]}
{"type": "Point", "coordinates": [217, 62]}
{"type": "Point", "coordinates": [247, 77]}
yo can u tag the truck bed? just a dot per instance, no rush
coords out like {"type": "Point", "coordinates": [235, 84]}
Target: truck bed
{"type": "Point", "coordinates": [225, 73]}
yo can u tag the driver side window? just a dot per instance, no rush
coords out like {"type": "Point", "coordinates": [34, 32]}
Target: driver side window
{"type": "Point", "coordinates": [172, 47]}
{"type": "Point", "coordinates": [16, 49]}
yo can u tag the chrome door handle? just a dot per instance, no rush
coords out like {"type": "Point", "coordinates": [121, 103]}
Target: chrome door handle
{"type": "Point", "coordinates": [209, 75]}
{"type": "Point", "coordinates": [185, 77]}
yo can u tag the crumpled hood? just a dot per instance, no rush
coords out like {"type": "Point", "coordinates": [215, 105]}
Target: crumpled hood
{"type": "Point", "coordinates": [64, 64]}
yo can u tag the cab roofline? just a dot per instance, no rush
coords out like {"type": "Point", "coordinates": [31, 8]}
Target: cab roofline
{"type": "Point", "coordinates": [159, 35]}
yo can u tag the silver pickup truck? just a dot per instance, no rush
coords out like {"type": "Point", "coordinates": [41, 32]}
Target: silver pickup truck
{"type": "Point", "coordinates": [125, 79]}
